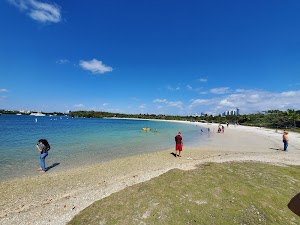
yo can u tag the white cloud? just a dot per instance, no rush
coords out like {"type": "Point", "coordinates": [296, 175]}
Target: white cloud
{"type": "Point", "coordinates": [176, 104]}
{"type": "Point", "coordinates": [202, 80]}
{"type": "Point", "coordinates": [169, 87]}
{"type": "Point", "coordinates": [95, 66]}
{"type": "Point", "coordinates": [160, 100]}
{"type": "Point", "coordinates": [226, 103]}
{"type": "Point", "coordinates": [221, 90]}
{"type": "Point", "coordinates": [40, 11]}
{"type": "Point", "coordinates": [79, 105]}
{"type": "Point", "coordinates": [2, 96]}
{"type": "Point", "coordinates": [198, 90]}
{"type": "Point", "coordinates": [240, 90]}
{"type": "Point", "coordinates": [189, 87]}
{"type": "Point", "coordinates": [249, 101]}
{"type": "Point", "coordinates": [290, 94]}
{"type": "Point", "coordinates": [198, 102]}
{"type": "Point", "coordinates": [142, 106]}
{"type": "Point", "coordinates": [135, 99]}
{"type": "Point", "coordinates": [62, 61]}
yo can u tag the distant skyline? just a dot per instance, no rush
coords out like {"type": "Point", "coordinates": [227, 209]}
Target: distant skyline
{"type": "Point", "coordinates": [156, 57]}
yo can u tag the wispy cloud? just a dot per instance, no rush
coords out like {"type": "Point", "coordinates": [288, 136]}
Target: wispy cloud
{"type": "Point", "coordinates": [168, 103]}
{"type": "Point", "coordinates": [197, 90]}
{"type": "Point", "coordinates": [160, 100]}
{"type": "Point", "coordinates": [2, 91]}
{"type": "Point", "coordinates": [295, 84]}
{"type": "Point", "coordinates": [203, 92]}
{"type": "Point", "coordinates": [62, 61]}
{"type": "Point", "coordinates": [258, 100]}
{"type": "Point", "coordinates": [95, 66]}
{"type": "Point", "coordinates": [221, 90]}
{"type": "Point", "coordinates": [79, 105]}
{"type": "Point", "coordinates": [199, 102]}
{"type": "Point", "coordinates": [176, 104]}
{"type": "Point", "coordinates": [249, 101]}
{"type": "Point", "coordinates": [189, 87]}
{"type": "Point", "coordinates": [202, 80]}
{"type": "Point", "coordinates": [169, 87]}
{"type": "Point", "coordinates": [39, 11]}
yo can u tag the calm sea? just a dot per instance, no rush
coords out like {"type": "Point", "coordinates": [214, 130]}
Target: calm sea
{"type": "Point", "coordinates": [82, 141]}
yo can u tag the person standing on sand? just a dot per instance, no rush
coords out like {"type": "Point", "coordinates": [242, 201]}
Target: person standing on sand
{"type": "Point", "coordinates": [43, 147]}
{"type": "Point", "coordinates": [285, 140]}
{"type": "Point", "coordinates": [179, 144]}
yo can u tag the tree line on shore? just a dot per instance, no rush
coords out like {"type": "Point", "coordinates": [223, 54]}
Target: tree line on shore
{"type": "Point", "coordinates": [289, 119]}
{"type": "Point", "coordinates": [276, 119]}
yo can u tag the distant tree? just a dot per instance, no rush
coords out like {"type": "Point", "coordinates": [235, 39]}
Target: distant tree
{"type": "Point", "coordinates": [293, 116]}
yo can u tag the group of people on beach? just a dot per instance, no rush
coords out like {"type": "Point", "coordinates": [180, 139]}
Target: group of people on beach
{"type": "Point", "coordinates": [43, 147]}
{"type": "Point", "coordinates": [179, 141]}
{"type": "Point", "coordinates": [221, 128]}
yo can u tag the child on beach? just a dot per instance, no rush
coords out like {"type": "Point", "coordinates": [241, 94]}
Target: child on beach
{"type": "Point", "coordinates": [285, 140]}
{"type": "Point", "coordinates": [43, 147]}
{"type": "Point", "coordinates": [179, 144]}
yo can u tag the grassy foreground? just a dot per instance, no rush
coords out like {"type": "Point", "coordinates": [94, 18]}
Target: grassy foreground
{"type": "Point", "coordinates": [225, 193]}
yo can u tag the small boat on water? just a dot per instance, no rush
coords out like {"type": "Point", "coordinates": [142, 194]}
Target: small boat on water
{"type": "Point", "coordinates": [146, 128]}
{"type": "Point", "coordinates": [37, 114]}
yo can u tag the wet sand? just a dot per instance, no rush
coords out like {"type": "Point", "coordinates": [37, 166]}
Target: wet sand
{"type": "Point", "coordinates": [55, 197]}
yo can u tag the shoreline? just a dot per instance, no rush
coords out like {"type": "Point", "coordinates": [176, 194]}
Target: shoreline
{"type": "Point", "coordinates": [56, 197]}
{"type": "Point", "coordinates": [91, 147]}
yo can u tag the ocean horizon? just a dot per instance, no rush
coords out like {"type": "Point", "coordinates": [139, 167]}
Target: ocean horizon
{"type": "Point", "coordinates": [85, 141]}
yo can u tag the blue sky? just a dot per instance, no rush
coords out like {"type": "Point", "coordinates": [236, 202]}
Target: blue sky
{"type": "Point", "coordinates": [150, 56]}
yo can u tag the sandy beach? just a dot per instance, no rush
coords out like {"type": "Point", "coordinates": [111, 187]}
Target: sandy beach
{"type": "Point", "coordinates": [55, 197]}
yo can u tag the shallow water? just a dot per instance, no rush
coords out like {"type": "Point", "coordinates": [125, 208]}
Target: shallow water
{"type": "Point", "coordinates": [81, 141]}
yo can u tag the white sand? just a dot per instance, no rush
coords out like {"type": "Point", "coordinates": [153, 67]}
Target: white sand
{"type": "Point", "coordinates": [55, 197]}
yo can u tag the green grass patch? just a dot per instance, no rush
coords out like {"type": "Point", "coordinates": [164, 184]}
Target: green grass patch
{"type": "Point", "coordinates": [224, 193]}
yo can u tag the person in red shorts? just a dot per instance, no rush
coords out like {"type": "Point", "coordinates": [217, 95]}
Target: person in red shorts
{"type": "Point", "coordinates": [179, 144]}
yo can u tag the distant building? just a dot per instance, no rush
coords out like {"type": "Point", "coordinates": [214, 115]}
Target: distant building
{"type": "Point", "coordinates": [24, 111]}
{"type": "Point", "coordinates": [197, 115]}
{"type": "Point", "coordinates": [231, 112]}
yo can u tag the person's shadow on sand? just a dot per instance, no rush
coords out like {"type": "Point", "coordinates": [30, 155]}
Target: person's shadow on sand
{"type": "Point", "coordinates": [277, 149]}
{"type": "Point", "coordinates": [52, 166]}
{"type": "Point", "coordinates": [172, 153]}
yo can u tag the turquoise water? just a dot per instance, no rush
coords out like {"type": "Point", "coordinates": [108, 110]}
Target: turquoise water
{"type": "Point", "coordinates": [81, 141]}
